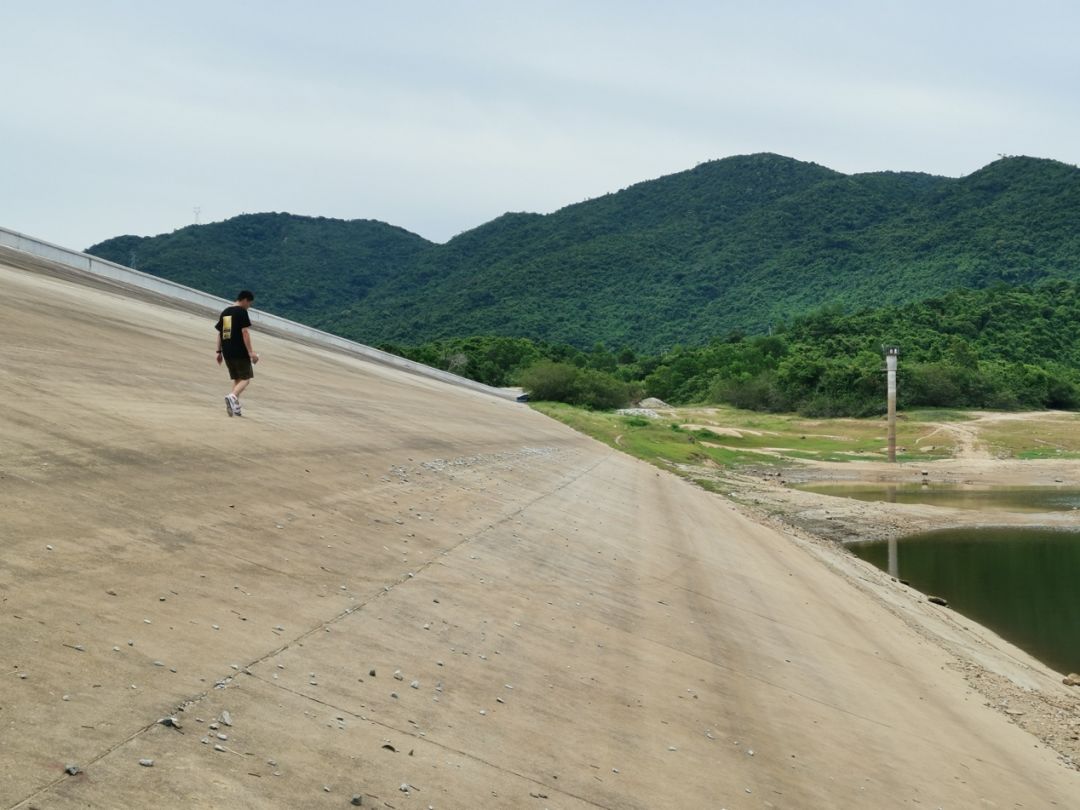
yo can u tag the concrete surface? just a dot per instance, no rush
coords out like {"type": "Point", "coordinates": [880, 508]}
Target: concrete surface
{"type": "Point", "coordinates": [582, 630]}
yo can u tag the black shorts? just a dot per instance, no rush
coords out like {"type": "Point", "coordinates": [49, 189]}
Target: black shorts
{"type": "Point", "coordinates": [239, 368]}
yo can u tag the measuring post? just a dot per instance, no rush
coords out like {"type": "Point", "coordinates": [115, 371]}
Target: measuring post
{"type": "Point", "coordinates": [891, 353]}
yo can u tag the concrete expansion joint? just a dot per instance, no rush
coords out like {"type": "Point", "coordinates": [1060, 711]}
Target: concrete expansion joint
{"type": "Point", "coordinates": [436, 743]}
{"type": "Point", "coordinates": [38, 791]}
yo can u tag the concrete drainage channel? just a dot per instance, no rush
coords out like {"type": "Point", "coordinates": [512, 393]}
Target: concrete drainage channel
{"type": "Point", "coordinates": [18, 247]}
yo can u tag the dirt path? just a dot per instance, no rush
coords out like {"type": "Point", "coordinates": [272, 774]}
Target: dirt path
{"type": "Point", "coordinates": [968, 446]}
{"type": "Point", "coordinates": [426, 597]}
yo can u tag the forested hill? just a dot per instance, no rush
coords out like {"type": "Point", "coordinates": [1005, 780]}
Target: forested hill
{"type": "Point", "coordinates": [741, 243]}
{"type": "Point", "coordinates": [300, 267]}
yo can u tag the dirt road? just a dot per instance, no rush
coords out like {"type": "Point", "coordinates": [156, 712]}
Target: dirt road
{"type": "Point", "coordinates": [423, 597]}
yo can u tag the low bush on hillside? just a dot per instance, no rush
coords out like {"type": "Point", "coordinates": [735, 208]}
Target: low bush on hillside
{"type": "Point", "coordinates": [551, 381]}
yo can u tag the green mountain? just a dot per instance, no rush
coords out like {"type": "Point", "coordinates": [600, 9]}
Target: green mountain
{"type": "Point", "coordinates": [739, 244]}
{"type": "Point", "coordinates": [299, 267]}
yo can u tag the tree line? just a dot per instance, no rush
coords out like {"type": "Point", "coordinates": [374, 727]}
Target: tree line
{"type": "Point", "coordinates": [1003, 348]}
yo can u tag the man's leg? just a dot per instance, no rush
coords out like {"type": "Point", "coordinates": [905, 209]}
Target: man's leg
{"type": "Point", "coordinates": [239, 386]}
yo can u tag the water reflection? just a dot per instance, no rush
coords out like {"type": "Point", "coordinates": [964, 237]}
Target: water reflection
{"type": "Point", "coordinates": [1021, 583]}
{"type": "Point", "coordinates": [1011, 499]}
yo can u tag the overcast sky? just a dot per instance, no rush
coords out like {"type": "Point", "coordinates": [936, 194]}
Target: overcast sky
{"type": "Point", "coordinates": [123, 117]}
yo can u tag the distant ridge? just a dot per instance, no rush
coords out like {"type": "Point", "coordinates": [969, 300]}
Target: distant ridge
{"type": "Point", "coordinates": [740, 243]}
{"type": "Point", "coordinates": [302, 267]}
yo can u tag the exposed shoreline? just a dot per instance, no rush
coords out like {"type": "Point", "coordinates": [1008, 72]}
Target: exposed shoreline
{"type": "Point", "coordinates": [846, 520]}
{"type": "Point", "coordinates": [1009, 679]}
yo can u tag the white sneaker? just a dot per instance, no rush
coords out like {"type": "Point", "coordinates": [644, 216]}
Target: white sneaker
{"type": "Point", "coordinates": [233, 405]}
{"type": "Point", "coordinates": [228, 404]}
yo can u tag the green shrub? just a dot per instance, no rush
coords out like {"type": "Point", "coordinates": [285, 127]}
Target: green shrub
{"type": "Point", "coordinates": [562, 382]}
{"type": "Point", "coordinates": [600, 390]}
{"type": "Point", "coordinates": [550, 381]}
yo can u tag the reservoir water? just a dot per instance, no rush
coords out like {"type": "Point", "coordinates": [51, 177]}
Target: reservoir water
{"type": "Point", "coordinates": [1010, 499]}
{"type": "Point", "coordinates": [1021, 583]}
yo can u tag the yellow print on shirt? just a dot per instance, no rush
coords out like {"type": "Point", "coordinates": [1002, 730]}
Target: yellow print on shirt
{"type": "Point", "coordinates": [226, 327]}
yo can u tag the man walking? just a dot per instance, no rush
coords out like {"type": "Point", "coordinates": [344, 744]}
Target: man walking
{"type": "Point", "coordinates": [234, 345]}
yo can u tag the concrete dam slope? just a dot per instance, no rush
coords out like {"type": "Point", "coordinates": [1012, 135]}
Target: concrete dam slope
{"type": "Point", "coordinates": [380, 586]}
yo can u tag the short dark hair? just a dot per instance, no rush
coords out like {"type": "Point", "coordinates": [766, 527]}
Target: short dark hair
{"type": "Point", "coordinates": [245, 295]}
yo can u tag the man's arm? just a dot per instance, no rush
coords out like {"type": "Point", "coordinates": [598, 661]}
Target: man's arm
{"type": "Point", "coordinates": [218, 347]}
{"type": "Point", "coordinates": [247, 344]}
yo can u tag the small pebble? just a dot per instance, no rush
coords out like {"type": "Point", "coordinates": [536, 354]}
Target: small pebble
{"type": "Point", "coordinates": [357, 800]}
{"type": "Point", "coordinates": [415, 684]}
{"type": "Point", "coordinates": [49, 548]}
{"type": "Point", "coordinates": [398, 676]}
{"type": "Point", "coordinates": [394, 695]}
{"type": "Point", "coordinates": [226, 718]}
{"type": "Point", "coordinates": [214, 727]}
{"type": "Point", "coordinates": [371, 673]}
{"type": "Point", "coordinates": [72, 769]}
{"type": "Point", "coordinates": [223, 737]}
{"type": "Point", "coordinates": [146, 763]}
{"type": "Point", "coordinates": [220, 748]}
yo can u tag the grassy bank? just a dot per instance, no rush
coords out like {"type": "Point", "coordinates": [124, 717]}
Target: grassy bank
{"type": "Point", "coordinates": [729, 438]}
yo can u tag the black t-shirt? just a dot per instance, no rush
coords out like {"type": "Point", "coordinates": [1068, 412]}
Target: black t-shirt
{"type": "Point", "coordinates": [231, 324]}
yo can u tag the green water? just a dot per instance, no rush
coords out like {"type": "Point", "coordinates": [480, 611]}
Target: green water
{"type": "Point", "coordinates": [1021, 583]}
{"type": "Point", "coordinates": [1010, 499]}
